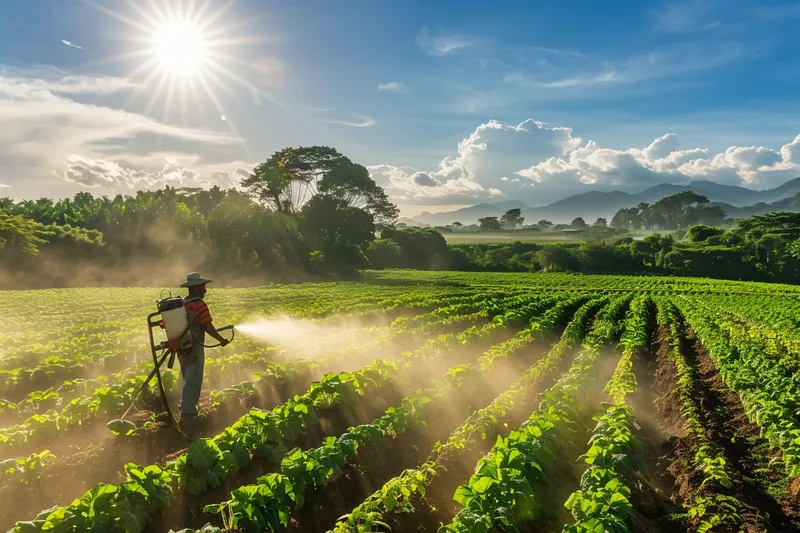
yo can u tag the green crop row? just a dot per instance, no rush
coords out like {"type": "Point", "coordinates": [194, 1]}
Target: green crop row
{"type": "Point", "coordinates": [603, 501]}
{"type": "Point", "coordinates": [105, 399]}
{"type": "Point", "coordinates": [208, 461]}
{"type": "Point", "coordinates": [397, 494]}
{"type": "Point", "coordinates": [769, 396]}
{"type": "Point", "coordinates": [111, 400]}
{"type": "Point", "coordinates": [254, 509]}
{"type": "Point", "coordinates": [707, 510]}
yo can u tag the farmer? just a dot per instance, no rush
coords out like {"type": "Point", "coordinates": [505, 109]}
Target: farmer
{"type": "Point", "coordinates": [192, 360]}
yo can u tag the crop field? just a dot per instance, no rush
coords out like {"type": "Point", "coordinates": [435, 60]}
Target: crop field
{"type": "Point", "coordinates": [413, 401]}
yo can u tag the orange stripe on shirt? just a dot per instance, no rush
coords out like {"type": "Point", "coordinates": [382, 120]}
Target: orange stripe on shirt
{"type": "Point", "coordinates": [199, 310]}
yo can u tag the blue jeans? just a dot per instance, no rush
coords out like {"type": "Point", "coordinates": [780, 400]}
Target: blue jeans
{"type": "Point", "coordinates": [192, 363]}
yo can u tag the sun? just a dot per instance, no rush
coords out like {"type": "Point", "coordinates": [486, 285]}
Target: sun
{"type": "Point", "coordinates": [185, 53]}
{"type": "Point", "coordinates": [180, 47]}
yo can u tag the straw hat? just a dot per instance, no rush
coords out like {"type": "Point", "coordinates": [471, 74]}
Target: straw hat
{"type": "Point", "coordinates": [193, 279]}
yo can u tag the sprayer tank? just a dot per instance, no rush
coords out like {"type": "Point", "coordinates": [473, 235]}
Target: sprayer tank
{"type": "Point", "coordinates": [176, 324]}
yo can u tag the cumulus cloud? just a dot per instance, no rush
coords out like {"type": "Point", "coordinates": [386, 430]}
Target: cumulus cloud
{"type": "Point", "coordinates": [392, 86]}
{"type": "Point", "coordinates": [538, 163]}
{"type": "Point", "coordinates": [113, 177]}
{"type": "Point", "coordinates": [492, 152]}
{"type": "Point", "coordinates": [663, 161]}
{"type": "Point", "coordinates": [421, 178]}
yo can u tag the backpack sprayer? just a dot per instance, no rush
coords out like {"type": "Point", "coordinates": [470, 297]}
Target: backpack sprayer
{"type": "Point", "coordinates": [176, 324]}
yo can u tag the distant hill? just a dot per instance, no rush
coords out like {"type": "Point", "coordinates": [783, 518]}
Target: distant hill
{"type": "Point", "coordinates": [469, 215]}
{"type": "Point", "coordinates": [593, 204]}
{"type": "Point", "coordinates": [410, 222]}
{"type": "Point", "coordinates": [791, 204]}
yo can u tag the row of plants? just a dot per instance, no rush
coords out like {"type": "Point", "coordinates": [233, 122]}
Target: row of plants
{"type": "Point", "coordinates": [710, 506]}
{"type": "Point", "coordinates": [262, 433]}
{"type": "Point", "coordinates": [59, 374]}
{"type": "Point", "coordinates": [274, 375]}
{"type": "Point", "coordinates": [502, 494]}
{"type": "Point", "coordinates": [441, 306]}
{"type": "Point", "coordinates": [107, 401]}
{"type": "Point", "coordinates": [779, 340]}
{"type": "Point", "coordinates": [104, 397]}
{"type": "Point", "coordinates": [252, 509]}
{"type": "Point", "coordinates": [398, 494]}
{"type": "Point", "coordinates": [602, 503]}
{"type": "Point", "coordinates": [769, 396]}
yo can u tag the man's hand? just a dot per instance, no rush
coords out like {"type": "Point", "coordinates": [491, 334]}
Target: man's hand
{"type": "Point", "coordinates": [224, 342]}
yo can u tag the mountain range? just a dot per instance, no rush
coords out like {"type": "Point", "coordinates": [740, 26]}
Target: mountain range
{"type": "Point", "coordinates": [738, 202]}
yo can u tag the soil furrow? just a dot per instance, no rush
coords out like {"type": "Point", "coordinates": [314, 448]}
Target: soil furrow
{"type": "Point", "coordinates": [762, 504]}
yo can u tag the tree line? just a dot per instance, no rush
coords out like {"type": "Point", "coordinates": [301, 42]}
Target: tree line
{"type": "Point", "coordinates": [760, 248]}
{"type": "Point", "coordinates": [678, 211]}
{"type": "Point", "coordinates": [304, 211]}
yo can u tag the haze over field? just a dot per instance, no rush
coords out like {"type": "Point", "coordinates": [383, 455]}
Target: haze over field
{"type": "Point", "coordinates": [531, 102]}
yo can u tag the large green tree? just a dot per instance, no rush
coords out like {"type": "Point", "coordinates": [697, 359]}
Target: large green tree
{"type": "Point", "coordinates": [490, 224]}
{"type": "Point", "coordinates": [512, 219]}
{"type": "Point", "coordinates": [292, 176]}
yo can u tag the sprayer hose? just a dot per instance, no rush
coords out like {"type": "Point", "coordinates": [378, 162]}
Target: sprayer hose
{"type": "Point", "coordinates": [233, 335]}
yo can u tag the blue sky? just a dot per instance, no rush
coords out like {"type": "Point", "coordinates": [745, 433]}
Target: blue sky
{"type": "Point", "coordinates": [447, 103]}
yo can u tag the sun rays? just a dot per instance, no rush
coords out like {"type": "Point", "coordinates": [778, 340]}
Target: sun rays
{"type": "Point", "coordinates": [184, 54]}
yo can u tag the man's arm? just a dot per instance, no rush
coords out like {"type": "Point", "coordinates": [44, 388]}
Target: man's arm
{"type": "Point", "coordinates": [212, 330]}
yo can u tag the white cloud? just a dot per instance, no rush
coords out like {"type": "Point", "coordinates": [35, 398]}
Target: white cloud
{"type": "Point", "coordinates": [46, 122]}
{"type": "Point", "coordinates": [685, 15]}
{"type": "Point", "coordinates": [109, 176]}
{"type": "Point", "coordinates": [492, 152]}
{"type": "Point", "coordinates": [443, 44]}
{"type": "Point", "coordinates": [421, 178]}
{"type": "Point", "coordinates": [677, 59]}
{"type": "Point", "coordinates": [392, 86]}
{"type": "Point", "coordinates": [72, 45]}
{"type": "Point", "coordinates": [362, 121]}
{"type": "Point", "coordinates": [2, 185]}
{"type": "Point", "coordinates": [539, 163]}
{"type": "Point", "coordinates": [662, 161]}
{"type": "Point", "coordinates": [24, 83]}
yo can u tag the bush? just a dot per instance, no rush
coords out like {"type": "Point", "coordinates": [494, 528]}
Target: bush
{"type": "Point", "coordinates": [555, 258]}
{"type": "Point", "coordinates": [383, 253]}
{"type": "Point", "coordinates": [701, 233]}
{"type": "Point", "coordinates": [604, 258]}
{"type": "Point", "coordinates": [418, 246]}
